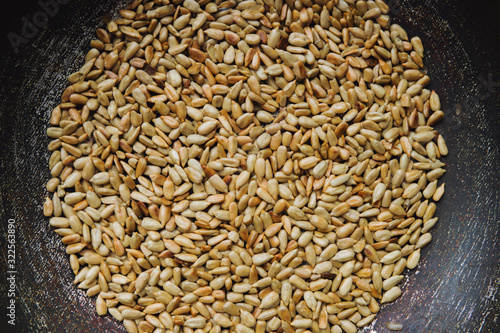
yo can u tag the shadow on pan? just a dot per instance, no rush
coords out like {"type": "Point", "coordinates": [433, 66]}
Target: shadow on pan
{"type": "Point", "coordinates": [455, 287]}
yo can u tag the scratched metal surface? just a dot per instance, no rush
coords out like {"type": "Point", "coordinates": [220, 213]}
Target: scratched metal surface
{"type": "Point", "coordinates": [456, 286]}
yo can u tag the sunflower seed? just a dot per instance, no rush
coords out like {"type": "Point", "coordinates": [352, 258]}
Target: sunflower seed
{"type": "Point", "coordinates": [210, 169]}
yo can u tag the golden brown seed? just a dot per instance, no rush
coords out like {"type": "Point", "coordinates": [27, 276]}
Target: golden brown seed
{"type": "Point", "coordinates": [214, 171]}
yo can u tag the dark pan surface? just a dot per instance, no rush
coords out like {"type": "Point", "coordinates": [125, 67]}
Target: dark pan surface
{"type": "Point", "coordinates": [454, 289]}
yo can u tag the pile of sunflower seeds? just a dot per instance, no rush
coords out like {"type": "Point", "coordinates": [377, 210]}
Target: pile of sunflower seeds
{"type": "Point", "coordinates": [249, 166]}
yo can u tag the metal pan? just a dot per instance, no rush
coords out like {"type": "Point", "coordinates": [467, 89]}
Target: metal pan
{"type": "Point", "coordinates": [455, 287]}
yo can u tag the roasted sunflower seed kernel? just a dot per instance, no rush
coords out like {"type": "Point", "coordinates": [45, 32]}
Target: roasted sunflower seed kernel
{"type": "Point", "coordinates": [246, 165]}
